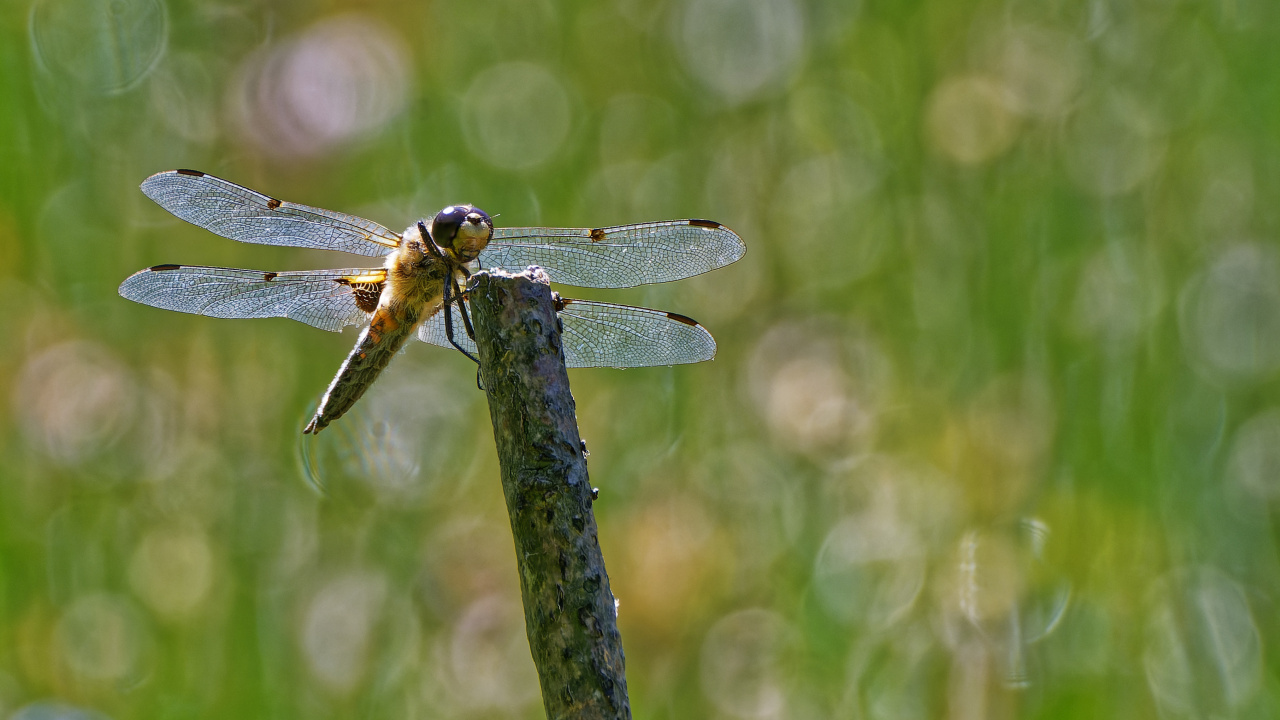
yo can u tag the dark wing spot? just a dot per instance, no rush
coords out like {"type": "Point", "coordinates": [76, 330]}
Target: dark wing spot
{"type": "Point", "coordinates": [705, 223]}
{"type": "Point", "coordinates": [367, 295]}
{"type": "Point", "coordinates": [273, 203]}
{"type": "Point", "coordinates": [681, 318]}
{"type": "Point", "coordinates": [194, 173]}
{"type": "Point", "coordinates": [560, 302]}
{"type": "Point", "coordinates": [268, 277]}
{"type": "Point", "coordinates": [162, 268]}
{"type": "Point", "coordinates": [597, 235]}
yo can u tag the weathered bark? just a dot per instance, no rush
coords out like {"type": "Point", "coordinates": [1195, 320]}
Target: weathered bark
{"type": "Point", "coordinates": [568, 607]}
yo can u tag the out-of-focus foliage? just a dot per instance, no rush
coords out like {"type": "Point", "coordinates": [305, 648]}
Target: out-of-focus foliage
{"type": "Point", "coordinates": [994, 429]}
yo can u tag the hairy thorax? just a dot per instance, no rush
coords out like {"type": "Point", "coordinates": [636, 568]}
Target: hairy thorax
{"type": "Point", "coordinates": [415, 281]}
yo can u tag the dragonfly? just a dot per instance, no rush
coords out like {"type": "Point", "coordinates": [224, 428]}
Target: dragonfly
{"type": "Point", "coordinates": [417, 292]}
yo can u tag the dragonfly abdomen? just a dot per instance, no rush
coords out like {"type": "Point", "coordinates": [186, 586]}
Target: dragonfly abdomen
{"type": "Point", "coordinates": [378, 343]}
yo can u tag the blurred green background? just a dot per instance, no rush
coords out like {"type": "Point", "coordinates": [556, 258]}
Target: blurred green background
{"type": "Point", "coordinates": [993, 430]}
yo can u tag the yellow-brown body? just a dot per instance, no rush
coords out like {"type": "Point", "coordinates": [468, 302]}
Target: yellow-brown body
{"type": "Point", "coordinates": [416, 274]}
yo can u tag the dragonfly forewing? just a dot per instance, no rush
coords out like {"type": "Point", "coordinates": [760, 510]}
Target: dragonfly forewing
{"type": "Point", "coordinates": [246, 215]}
{"type": "Point", "coordinates": [615, 257]}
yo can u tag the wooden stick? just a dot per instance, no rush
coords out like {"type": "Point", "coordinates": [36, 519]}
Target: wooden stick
{"type": "Point", "coordinates": [569, 609]}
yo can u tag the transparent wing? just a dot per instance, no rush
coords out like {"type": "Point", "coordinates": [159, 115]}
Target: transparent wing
{"type": "Point", "coordinates": [242, 214]}
{"type": "Point", "coordinates": [622, 256]}
{"type": "Point", "coordinates": [607, 335]}
{"type": "Point", "coordinates": [432, 331]}
{"type": "Point", "coordinates": [327, 299]}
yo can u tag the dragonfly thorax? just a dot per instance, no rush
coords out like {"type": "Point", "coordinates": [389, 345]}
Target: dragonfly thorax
{"type": "Point", "coordinates": [415, 270]}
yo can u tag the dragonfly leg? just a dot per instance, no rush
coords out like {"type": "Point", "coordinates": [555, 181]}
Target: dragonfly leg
{"type": "Point", "coordinates": [429, 241]}
{"type": "Point", "coordinates": [451, 289]}
{"type": "Point", "coordinates": [466, 318]}
{"type": "Point", "coordinates": [462, 309]}
{"type": "Point", "coordinates": [448, 321]}
{"type": "Point", "coordinates": [466, 322]}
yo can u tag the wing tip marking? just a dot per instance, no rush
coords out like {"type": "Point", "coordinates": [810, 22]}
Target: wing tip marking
{"type": "Point", "coordinates": [712, 224]}
{"type": "Point", "coordinates": [683, 319]}
{"type": "Point", "coordinates": [193, 173]}
{"type": "Point", "coordinates": [597, 234]}
{"type": "Point", "coordinates": [162, 268]}
{"type": "Point", "coordinates": [269, 276]}
{"type": "Point", "coordinates": [273, 203]}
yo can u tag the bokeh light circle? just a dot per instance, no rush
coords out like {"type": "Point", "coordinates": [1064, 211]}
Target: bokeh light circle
{"type": "Point", "coordinates": [342, 79]}
{"type": "Point", "coordinates": [516, 115]}
{"type": "Point", "coordinates": [337, 630]}
{"type": "Point", "coordinates": [184, 95]}
{"type": "Point", "coordinates": [969, 120]}
{"type": "Point", "coordinates": [75, 400]}
{"type": "Point", "coordinates": [743, 663]}
{"type": "Point", "coordinates": [1230, 317]}
{"type": "Point", "coordinates": [870, 569]}
{"type": "Point", "coordinates": [489, 656]}
{"type": "Point", "coordinates": [1115, 143]}
{"type": "Point", "coordinates": [1254, 462]}
{"type": "Point", "coordinates": [101, 637]}
{"type": "Point", "coordinates": [1119, 295]}
{"type": "Point", "coordinates": [818, 385]}
{"type": "Point", "coordinates": [1203, 655]}
{"type": "Point", "coordinates": [101, 47]}
{"type": "Point", "coordinates": [172, 571]}
{"type": "Point", "coordinates": [672, 554]}
{"type": "Point", "coordinates": [1041, 67]}
{"type": "Point", "coordinates": [740, 48]}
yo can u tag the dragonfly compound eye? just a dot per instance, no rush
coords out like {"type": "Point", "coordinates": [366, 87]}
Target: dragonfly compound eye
{"type": "Point", "coordinates": [444, 227]}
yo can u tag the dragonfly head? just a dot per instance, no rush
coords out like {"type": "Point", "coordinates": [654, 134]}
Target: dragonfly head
{"type": "Point", "coordinates": [463, 230]}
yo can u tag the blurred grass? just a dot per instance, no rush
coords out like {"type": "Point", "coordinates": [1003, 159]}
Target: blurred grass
{"type": "Point", "coordinates": [991, 431]}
